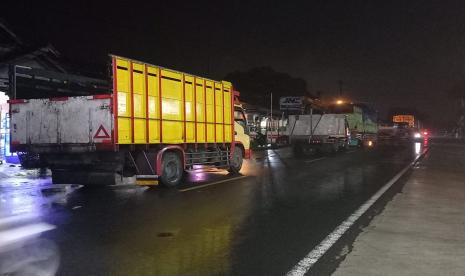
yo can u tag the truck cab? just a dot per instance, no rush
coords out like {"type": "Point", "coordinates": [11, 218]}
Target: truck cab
{"type": "Point", "coordinates": [241, 132]}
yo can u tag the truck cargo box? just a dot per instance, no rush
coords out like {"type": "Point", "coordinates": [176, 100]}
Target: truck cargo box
{"type": "Point", "coordinates": [75, 123]}
{"type": "Point", "coordinates": [309, 134]}
{"type": "Point", "coordinates": [304, 126]}
{"type": "Point", "coordinates": [147, 105]}
{"type": "Point", "coordinates": [158, 105]}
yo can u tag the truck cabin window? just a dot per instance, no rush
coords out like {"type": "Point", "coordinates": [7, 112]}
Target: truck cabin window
{"type": "Point", "coordinates": [239, 117]}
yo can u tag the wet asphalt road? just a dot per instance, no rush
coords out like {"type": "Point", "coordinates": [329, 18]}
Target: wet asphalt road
{"type": "Point", "coordinates": [260, 224]}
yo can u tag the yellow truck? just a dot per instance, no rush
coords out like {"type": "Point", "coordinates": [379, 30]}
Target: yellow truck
{"type": "Point", "coordinates": [151, 122]}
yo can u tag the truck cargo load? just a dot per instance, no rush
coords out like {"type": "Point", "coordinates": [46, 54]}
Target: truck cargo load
{"type": "Point", "coordinates": [153, 122]}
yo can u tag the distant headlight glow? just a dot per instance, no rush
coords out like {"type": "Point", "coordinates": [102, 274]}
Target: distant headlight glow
{"type": "Point", "coordinates": [417, 135]}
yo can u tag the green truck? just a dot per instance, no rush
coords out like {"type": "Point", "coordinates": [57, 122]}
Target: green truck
{"type": "Point", "coordinates": [362, 120]}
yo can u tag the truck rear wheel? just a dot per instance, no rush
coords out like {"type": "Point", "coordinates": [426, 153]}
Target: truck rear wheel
{"type": "Point", "coordinates": [304, 150]}
{"type": "Point", "coordinates": [343, 145]}
{"type": "Point", "coordinates": [172, 170]}
{"type": "Point", "coordinates": [236, 160]}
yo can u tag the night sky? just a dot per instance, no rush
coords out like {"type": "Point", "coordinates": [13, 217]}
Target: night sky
{"type": "Point", "coordinates": [391, 53]}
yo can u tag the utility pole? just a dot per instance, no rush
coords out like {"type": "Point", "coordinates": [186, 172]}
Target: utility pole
{"type": "Point", "coordinates": [271, 105]}
{"type": "Point", "coordinates": [271, 117]}
{"type": "Point", "coordinates": [461, 122]}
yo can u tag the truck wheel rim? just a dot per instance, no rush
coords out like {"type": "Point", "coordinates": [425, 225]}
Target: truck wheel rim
{"type": "Point", "coordinates": [170, 170]}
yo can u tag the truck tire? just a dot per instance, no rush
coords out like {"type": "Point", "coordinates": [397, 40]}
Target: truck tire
{"type": "Point", "coordinates": [304, 150]}
{"type": "Point", "coordinates": [236, 160]}
{"type": "Point", "coordinates": [343, 145]}
{"type": "Point", "coordinates": [309, 150]}
{"type": "Point", "coordinates": [330, 148]}
{"type": "Point", "coordinates": [172, 170]}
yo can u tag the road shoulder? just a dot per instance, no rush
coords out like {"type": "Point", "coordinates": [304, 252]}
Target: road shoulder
{"type": "Point", "coordinates": [421, 231]}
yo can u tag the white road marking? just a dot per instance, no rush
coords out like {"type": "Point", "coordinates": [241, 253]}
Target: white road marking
{"type": "Point", "coordinates": [213, 183]}
{"type": "Point", "coordinates": [314, 160]}
{"type": "Point", "coordinates": [351, 151]}
{"type": "Point", "coordinates": [304, 265]}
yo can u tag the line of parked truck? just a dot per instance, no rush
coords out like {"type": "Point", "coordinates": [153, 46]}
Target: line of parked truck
{"type": "Point", "coordinates": [155, 124]}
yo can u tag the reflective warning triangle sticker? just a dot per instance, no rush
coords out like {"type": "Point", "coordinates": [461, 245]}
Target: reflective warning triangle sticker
{"type": "Point", "coordinates": [102, 133]}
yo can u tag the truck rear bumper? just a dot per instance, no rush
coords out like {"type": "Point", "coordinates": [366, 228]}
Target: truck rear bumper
{"type": "Point", "coordinates": [92, 178]}
{"type": "Point", "coordinates": [88, 161]}
{"type": "Point", "coordinates": [317, 139]}
{"type": "Point", "coordinates": [147, 180]}
{"type": "Point", "coordinates": [61, 148]}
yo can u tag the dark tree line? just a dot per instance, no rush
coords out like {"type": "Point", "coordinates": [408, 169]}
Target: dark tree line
{"type": "Point", "coordinates": [256, 85]}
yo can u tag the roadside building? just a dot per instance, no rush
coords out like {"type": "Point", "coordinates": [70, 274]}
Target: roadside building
{"type": "Point", "coordinates": [13, 51]}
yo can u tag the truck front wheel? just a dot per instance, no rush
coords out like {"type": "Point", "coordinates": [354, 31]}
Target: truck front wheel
{"type": "Point", "coordinates": [236, 160]}
{"type": "Point", "coordinates": [172, 170]}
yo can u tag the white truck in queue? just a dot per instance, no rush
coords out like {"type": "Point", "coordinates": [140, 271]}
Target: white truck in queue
{"type": "Point", "coordinates": [312, 133]}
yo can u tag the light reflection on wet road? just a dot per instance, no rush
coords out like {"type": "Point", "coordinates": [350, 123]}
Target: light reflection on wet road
{"type": "Point", "coordinates": [258, 225]}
